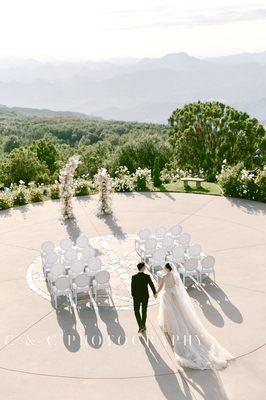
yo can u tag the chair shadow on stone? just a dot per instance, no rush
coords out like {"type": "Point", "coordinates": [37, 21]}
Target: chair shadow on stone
{"type": "Point", "coordinates": [111, 221]}
{"type": "Point", "coordinates": [88, 318]}
{"type": "Point", "coordinates": [72, 229]}
{"type": "Point", "coordinates": [114, 329]}
{"type": "Point", "coordinates": [206, 383]}
{"type": "Point", "coordinates": [164, 375]}
{"type": "Point", "coordinates": [228, 308]}
{"type": "Point", "coordinates": [208, 309]}
{"type": "Point", "coordinates": [67, 321]}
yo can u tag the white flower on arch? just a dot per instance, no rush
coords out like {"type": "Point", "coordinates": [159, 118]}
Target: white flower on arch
{"type": "Point", "coordinates": [66, 191]}
{"type": "Point", "coordinates": [104, 183]}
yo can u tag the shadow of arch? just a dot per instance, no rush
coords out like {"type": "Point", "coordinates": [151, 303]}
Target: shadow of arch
{"type": "Point", "coordinates": [72, 229]}
{"type": "Point", "coordinates": [113, 225]}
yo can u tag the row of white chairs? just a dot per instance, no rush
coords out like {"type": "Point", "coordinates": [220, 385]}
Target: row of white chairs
{"type": "Point", "coordinates": [69, 254]}
{"type": "Point", "coordinates": [146, 245]}
{"type": "Point", "coordinates": [65, 244]}
{"type": "Point", "coordinates": [52, 265]}
{"type": "Point", "coordinates": [160, 232]}
{"type": "Point", "coordinates": [168, 244]}
{"type": "Point", "coordinates": [174, 246]}
{"type": "Point", "coordinates": [193, 268]}
{"type": "Point", "coordinates": [72, 268]}
{"type": "Point", "coordinates": [178, 255]}
{"type": "Point", "coordinates": [196, 269]}
{"type": "Point", "coordinates": [64, 286]}
{"type": "Point", "coordinates": [67, 250]}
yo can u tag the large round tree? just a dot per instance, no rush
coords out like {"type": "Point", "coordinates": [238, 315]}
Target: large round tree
{"type": "Point", "coordinates": [204, 134]}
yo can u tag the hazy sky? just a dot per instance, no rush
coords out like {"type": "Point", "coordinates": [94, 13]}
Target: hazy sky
{"type": "Point", "coordinates": [80, 29]}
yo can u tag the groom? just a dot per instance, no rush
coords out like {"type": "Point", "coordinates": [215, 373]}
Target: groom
{"type": "Point", "coordinates": [140, 294]}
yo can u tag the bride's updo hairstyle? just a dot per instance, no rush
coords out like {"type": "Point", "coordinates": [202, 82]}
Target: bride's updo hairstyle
{"type": "Point", "coordinates": [168, 267]}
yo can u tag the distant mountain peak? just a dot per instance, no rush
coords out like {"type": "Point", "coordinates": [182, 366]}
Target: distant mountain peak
{"type": "Point", "coordinates": [178, 56]}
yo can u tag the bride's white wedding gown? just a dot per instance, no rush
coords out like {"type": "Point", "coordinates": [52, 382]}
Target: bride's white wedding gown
{"type": "Point", "coordinates": [194, 346]}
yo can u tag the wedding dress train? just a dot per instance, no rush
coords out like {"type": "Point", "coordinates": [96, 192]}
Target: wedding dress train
{"type": "Point", "coordinates": [194, 346]}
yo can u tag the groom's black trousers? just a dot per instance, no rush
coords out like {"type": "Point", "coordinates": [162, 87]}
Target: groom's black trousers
{"type": "Point", "coordinates": [141, 304]}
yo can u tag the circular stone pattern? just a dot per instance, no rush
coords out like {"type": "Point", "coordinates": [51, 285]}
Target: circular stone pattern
{"type": "Point", "coordinates": [117, 256]}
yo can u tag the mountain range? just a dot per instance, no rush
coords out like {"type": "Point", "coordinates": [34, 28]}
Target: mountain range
{"type": "Point", "coordinates": [31, 112]}
{"type": "Point", "coordinates": [147, 89]}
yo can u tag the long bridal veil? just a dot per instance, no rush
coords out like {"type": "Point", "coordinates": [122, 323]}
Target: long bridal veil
{"type": "Point", "coordinates": [194, 346]}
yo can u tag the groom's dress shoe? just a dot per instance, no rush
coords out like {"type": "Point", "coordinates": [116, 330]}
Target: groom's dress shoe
{"type": "Point", "coordinates": [143, 329]}
{"type": "Point", "coordinates": [140, 330]}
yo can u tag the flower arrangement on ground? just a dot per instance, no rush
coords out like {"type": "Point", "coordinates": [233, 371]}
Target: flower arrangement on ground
{"type": "Point", "coordinates": [20, 194]}
{"type": "Point", "coordinates": [142, 178]}
{"type": "Point", "coordinates": [123, 181]}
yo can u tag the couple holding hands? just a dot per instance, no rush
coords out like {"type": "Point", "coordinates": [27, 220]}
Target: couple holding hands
{"type": "Point", "coordinates": [193, 345]}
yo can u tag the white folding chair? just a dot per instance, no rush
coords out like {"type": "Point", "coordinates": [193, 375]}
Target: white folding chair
{"type": "Point", "coordinates": [168, 243]}
{"type": "Point", "coordinates": [46, 248]}
{"type": "Point", "coordinates": [160, 233]}
{"type": "Point", "coordinates": [190, 269]}
{"type": "Point", "coordinates": [157, 259]}
{"type": "Point", "coordinates": [61, 287]}
{"type": "Point", "coordinates": [70, 256]}
{"type": "Point", "coordinates": [194, 251]}
{"type": "Point", "coordinates": [149, 247]}
{"type": "Point", "coordinates": [49, 259]}
{"type": "Point", "coordinates": [87, 253]}
{"type": "Point", "coordinates": [177, 256]}
{"type": "Point", "coordinates": [81, 284]}
{"type": "Point", "coordinates": [56, 270]}
{"type": "Point", "coordinates": [175, 231]}
{"type": "Point", "coordinates": [94, 266]}
{"type": "Point", "coordinates": [206, 267]}
{"type": "Point", "coordinates": [82, 241]}
{"type": "Point", "coordinates": [143, 235]}
{"type": "Point", "coordinates": [184, 239]}
{"type": "Point", "coordinates": [76, 268]}
{"type": "Point", "coordinates": [101, 282]}
{"type": "Point", "coordinates": [64, 246]}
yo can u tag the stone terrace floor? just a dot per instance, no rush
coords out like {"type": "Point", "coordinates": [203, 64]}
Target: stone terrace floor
{"type": "Point", "coordinates": [95, 351]}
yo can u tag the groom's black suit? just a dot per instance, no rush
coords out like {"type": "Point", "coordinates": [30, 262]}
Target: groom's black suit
{"type": "Point", "coordinates": [140, 294]}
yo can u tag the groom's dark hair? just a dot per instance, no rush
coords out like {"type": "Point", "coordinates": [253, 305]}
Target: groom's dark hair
{"type": "Point", "coordinates": [140, 265]}
{"type": "Point", "coordinates": [168, 266]}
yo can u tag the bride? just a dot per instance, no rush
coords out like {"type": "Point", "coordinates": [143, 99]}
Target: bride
{"type": "Point", "coordinates": [194, 346]}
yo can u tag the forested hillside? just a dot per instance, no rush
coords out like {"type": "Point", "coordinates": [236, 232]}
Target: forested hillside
{"type": "Point", "coordinates": [99, 143]}
{"type": "Point", "coordinates": [208, 139]}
